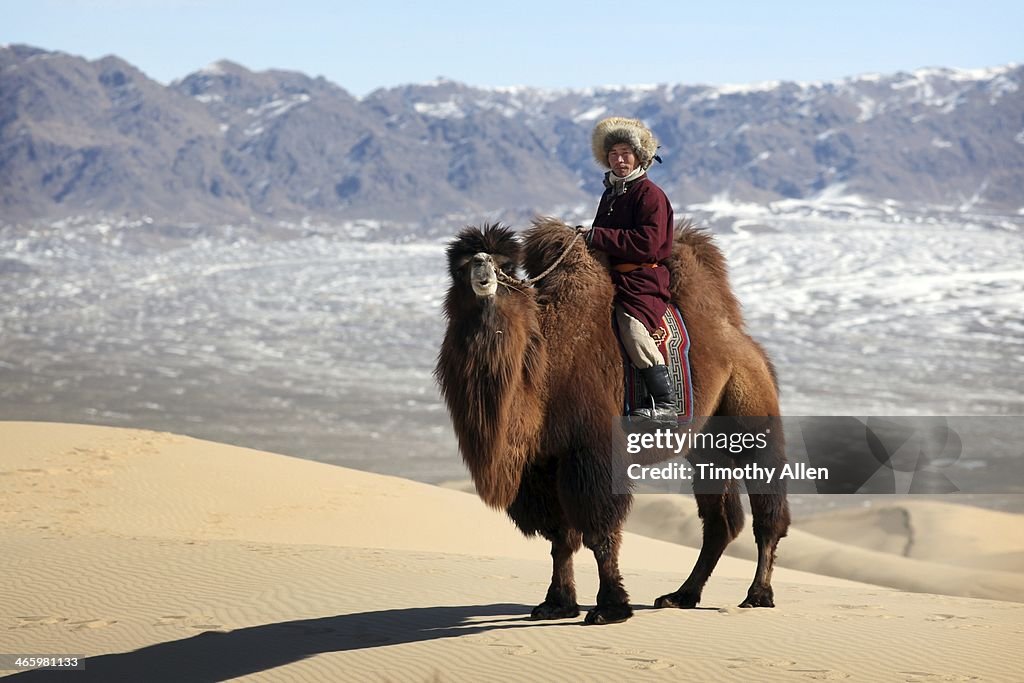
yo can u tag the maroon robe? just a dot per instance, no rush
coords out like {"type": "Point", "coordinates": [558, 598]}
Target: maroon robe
{"type": "Point", "coordinates": [636, 227]}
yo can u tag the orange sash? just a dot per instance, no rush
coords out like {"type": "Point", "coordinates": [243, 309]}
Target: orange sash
{"type": "Point", "coordinates": [630, 267]}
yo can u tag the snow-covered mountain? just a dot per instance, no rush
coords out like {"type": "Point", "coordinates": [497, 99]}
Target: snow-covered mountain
{"type": "Point", "coordinates": [100, 138]}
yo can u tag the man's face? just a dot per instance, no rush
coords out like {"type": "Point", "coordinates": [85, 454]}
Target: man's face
{"type": "Point", "coordinates": [622, 159]}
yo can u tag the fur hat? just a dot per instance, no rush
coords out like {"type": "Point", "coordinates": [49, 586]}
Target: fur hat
{"type": "Point", "coordinates": [611, 131]}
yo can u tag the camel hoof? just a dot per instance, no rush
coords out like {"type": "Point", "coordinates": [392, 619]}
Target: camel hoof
{"type": "Point", "coordinates": [609, 614]}
{"type": "Point", "coordinates": [763, 598]}
{"type": "Point", "coordinates": [678, 600]}
{"type": "Point", "coordinates": [549, 610]}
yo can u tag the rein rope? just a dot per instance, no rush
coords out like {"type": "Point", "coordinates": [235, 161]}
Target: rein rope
{"type": "Point", "coordinates": [515, 282]}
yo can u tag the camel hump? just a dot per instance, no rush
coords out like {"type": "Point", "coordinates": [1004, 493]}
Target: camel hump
{"type": "Point", "coordinates": [699, 270]}
{"type": "Point", "coordinates": [545, 242]}
{"type": "Point", "coordinates": [701, 244]}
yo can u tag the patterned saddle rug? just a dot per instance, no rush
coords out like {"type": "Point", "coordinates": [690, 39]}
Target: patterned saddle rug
{"type": "Point", "coordinates": [674, 344]}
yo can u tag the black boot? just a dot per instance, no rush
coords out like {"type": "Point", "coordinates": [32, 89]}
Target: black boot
{"type": "Point", "coordinates": [663, 392]}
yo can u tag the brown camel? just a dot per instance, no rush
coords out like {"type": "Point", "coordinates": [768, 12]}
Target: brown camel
{"type": "Point", "coordinates": [532, 377]}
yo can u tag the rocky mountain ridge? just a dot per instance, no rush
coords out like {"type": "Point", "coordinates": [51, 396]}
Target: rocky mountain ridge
{"type": "Point", "coordinates": [226, 144]}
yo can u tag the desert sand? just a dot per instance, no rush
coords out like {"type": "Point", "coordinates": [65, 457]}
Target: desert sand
{"type": "Point", "coordinates": [159, 557]}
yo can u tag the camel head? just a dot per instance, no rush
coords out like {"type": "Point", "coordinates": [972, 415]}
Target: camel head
{"type": "Point", "coordinates": [476, 255]}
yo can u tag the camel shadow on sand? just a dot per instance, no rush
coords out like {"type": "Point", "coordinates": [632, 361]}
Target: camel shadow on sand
{"type": "Point", "coordinates": [217, 656]}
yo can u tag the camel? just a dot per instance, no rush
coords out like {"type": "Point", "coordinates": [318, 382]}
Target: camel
{"type": "Point", "coordinates": [532, 378]}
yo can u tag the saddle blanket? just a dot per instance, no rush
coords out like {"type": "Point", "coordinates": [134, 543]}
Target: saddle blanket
{"type": "Point", "coordinates": [675, 348]}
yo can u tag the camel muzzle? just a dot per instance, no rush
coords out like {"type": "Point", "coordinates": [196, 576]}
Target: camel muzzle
{"type": "Point", "coordinates": [483, 275]}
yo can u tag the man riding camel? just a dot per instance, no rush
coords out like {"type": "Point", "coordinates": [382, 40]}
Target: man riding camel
{"type": "Point", "coordinates": [633, 226]}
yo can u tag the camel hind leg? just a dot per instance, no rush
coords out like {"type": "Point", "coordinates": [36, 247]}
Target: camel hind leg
{"type": "Point", "coordinates": [722, 515]}
{"type": "Point", "coordinates": [770, 511]}
{"type": "Point", "coordinates": [752, 397]}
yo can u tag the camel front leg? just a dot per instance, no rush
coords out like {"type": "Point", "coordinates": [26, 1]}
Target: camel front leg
{"type": "Point", "coordinates": [612, 599]}
{"type": "Point", "coordinates": [560, 601]}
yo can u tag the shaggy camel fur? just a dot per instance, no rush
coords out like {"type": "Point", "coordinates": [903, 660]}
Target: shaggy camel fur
{"type": "Point", "coordinates": [532, 377]}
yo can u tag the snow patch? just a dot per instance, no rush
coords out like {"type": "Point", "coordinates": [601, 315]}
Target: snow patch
{"type": "Point", "coordinates": [867, 78]}
{"type": "Point", "coordinates": [747, 88]}
{"type": "Point", "coordinates": [975, 198]}
{"type": "Point", "coordinates": [278, 107]}
{"type": "Point", "coordinates": [214, 69]}
{"type": "Point", "coordinates": [714, 92]}
{"type": "Point", "coordinates": [440, 110]}
{"type": "Point", "coordinates": [837, 194]}
{"type": "Point", "coordinates": [965, 75]}
{"type": "Point", "coordinates": [591, 114]}
{"type": "Point", "coordinates": [723, 204]}
{"type": "Point", "coordinates": [868, 109]}
{"type": "Point", "coordinates": [760, 157]}
{"type": "Point", "coordinates": [1000, 86]}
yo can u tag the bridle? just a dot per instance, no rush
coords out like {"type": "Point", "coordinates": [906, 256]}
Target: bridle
{"type": "Point", "coordinates": [515, 283]}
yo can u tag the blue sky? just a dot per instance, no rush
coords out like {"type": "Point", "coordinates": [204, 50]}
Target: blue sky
{"type": "Point", "coordinates": [378, 43]}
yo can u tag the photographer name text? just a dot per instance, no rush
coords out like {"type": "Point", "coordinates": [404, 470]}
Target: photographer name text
{"type": "Point", "coordinates": [709, 472]}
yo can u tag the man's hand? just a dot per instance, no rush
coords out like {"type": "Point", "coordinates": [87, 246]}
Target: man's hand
{"type": "Point", "coordinates": [585, 233]}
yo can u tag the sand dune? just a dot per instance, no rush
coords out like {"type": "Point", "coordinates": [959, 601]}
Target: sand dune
{"type": "Point", "coordinates": [927, 530]}
{"type": "Point", "coordinates": [164, 558]}
{"type": "Point", "coordinates": [925, 547]}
